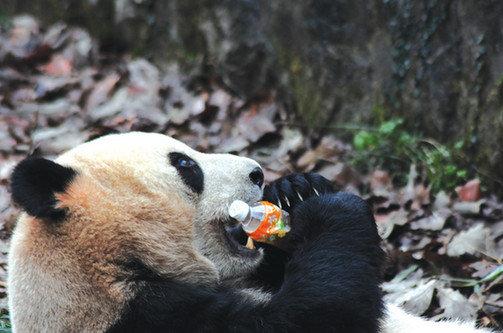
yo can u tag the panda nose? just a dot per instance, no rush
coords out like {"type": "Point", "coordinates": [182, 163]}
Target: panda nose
{"type": "Point", "coordinates": [257, 176]}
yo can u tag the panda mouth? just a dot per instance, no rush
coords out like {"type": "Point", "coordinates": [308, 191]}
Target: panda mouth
{"type": "Point", "coordinates": [238, 239]}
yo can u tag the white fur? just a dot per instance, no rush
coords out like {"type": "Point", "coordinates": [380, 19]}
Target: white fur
{"type": "Point", "coordinates": [397, 320]}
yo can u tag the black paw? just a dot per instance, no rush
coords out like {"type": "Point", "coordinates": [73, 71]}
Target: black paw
{"type": "Point", "coordinates": [336, 220]}
{"type": "Point", "coordinates": [288, 191]}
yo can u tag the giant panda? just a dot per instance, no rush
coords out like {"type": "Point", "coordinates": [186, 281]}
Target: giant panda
{"type": "Point", "coordinates": [130, 233]}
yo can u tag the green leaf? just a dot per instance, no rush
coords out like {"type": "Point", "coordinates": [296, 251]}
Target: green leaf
{"type": "Point", "coordinates": [389, 126]}
{"type": "Point", "coordinates": [493, 275]}
{"type": "Point", "coordinates": [405, 138]}
{"type": "Point", "coordinates": [458, 145]}
{"type": "Point", "coordinates": [405, 273]}
{"type": "Point", "coordinates": [450, 169]}
{"type": "Point", "coordinates": [363, 140]}
{"type": "Point", "coordinates": [461, 173]}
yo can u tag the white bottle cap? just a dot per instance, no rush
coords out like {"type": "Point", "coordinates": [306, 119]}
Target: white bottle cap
{"type": "Point", "coordinates": [239, 210]}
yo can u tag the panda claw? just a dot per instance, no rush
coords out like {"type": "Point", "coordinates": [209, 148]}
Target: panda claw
{"type": "Point", "coordinates": [279, 202]}
{"type": "Point", "coordinates": [287, 201]}
{"type": "Point", "coordinates": [300, 196]}
{"type": "Point", "coordinates": [316, 192]}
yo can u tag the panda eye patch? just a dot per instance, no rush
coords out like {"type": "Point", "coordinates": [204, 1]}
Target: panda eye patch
{"type": "Point", "coordinates": [188, 169]}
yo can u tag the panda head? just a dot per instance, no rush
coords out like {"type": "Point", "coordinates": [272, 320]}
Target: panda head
{"type": "Point", "coordinates": [129, 204]}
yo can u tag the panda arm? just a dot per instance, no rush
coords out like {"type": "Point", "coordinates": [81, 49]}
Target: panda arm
{"type": "Point", "coordinates": [331, 283]}
{"type": "Point", "coordinates": [167, 306]}
{"type": "Point", "coordinates": [336, 259]}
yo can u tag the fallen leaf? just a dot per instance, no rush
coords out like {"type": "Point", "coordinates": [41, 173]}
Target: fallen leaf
{"type": "Point", "coordinates": [408, 190]}
{"type": "Point", "coordinates": [327, 151]}
{"type": "Point", "coordinates": [102, 91]}
{"type": "Point", "coordinates": [413, 293]}
{"type": "Point", "coordinates": [455, 305]}
{"type": "Point", "coordinates": [254, 127]}
{"type": "Point", "coordinates": [442, 200]}
{"type": "Point", "coordinates": [58, 66]}
{"type": "Point", "coordinates": [416, 300]}
{"type": "Point", "coordinates": [386, 223]}
{"type": "Point", "coordinates": [222, 100]}
{"type": "Point", "coordinates": [57, 35]}
{"type": "Point", "coordinates": [308, 160]}
{"type": "Point", "coordinates": [233, 145]}
{"type": "Point", "coordinates": [55, 140]}
{"type": "Point", "coordinates": [421, 197]}
{"type": "Point", "coordinates": [333, 171]}
{"type": "Point", "coordinates": [495, 300]}
{"type": "Point", "coordinates": [470, 191]}
{"type": "Point", "coordinates": [24, 35]}
{"type": "Point", "coordinates": [492, 209]}
{"type": "Point", "coordinates": [23, 95]}
{"type": "Point", "coordinates": [482, 268]}
{"type": "Point", "coordinates": [435, 221]}
{"type": "Point", "coordinates": [469, 207]}
{"type": "Point", "coordinates": [6, 168]}
{"type": "Point", "coordinates": [291, 141]}
{"type": "Point", "coordinates": [380, 181]}
{"type": "Point", "coordinates": [50, 86]}
{"type": "Point", "coordinates": [471, 241]}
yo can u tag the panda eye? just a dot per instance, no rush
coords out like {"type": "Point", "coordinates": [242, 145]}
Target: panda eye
{"type": "Point", "coordinates": [186, 163]}
{"type": "Point", "coordinates": [179, 160]}
{"type": "Point", "coordinates": [188, 169]}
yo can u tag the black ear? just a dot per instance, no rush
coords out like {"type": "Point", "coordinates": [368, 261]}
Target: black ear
{"type": "Point", "coordinates": [34, 183]}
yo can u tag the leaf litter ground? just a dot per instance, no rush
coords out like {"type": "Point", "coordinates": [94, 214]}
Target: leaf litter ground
{"type": "Point", "coordinates": [57, 90]}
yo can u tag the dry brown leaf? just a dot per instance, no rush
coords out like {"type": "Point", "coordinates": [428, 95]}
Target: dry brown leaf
{"type": "Point", "coordinates": [102, 91]}
{"type": "Point", "coordinates": [328, 150]}
{"type": "Point", "coordinates": [386, 223]}
{"type": "Point", "coordinates": [308, 160]}
{"type": "Point", "coordinates": [58, 66]}
{"type": "Point", "coordinates": [380, 181]}
{"type": "Point", "coordinates": [470, 191]}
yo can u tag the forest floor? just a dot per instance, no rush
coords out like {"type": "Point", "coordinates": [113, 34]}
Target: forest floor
{"type": "Point", "coordinates": [57, 89]}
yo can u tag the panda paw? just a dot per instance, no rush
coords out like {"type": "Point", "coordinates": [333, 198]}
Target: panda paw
{"type": "Point", "coordinates": [288, 191]}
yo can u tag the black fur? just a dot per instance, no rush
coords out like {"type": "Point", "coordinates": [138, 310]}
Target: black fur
{"type": "Point", "coordinates": [330, 281]}
{"type": "Point", "coordinates": [34, 182]}
{"type": "Point", "coordinates": [306, 185]}
{"type": "Point", "coordinates": [189, 170]}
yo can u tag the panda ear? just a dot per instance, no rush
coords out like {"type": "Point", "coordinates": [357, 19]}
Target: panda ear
{"type": "Point", "coordinates": [34, 183]}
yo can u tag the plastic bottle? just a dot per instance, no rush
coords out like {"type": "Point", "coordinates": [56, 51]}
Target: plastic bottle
{"type": "Point", "coordinates": [262, 221]}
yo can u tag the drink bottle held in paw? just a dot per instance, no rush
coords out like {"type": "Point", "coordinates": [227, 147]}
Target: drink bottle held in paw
{"type": "Point", "coordinates": [262, 222]}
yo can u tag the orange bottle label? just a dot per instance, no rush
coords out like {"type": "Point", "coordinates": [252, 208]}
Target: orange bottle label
{"type": "Point", "coordinates": [271, 226]}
